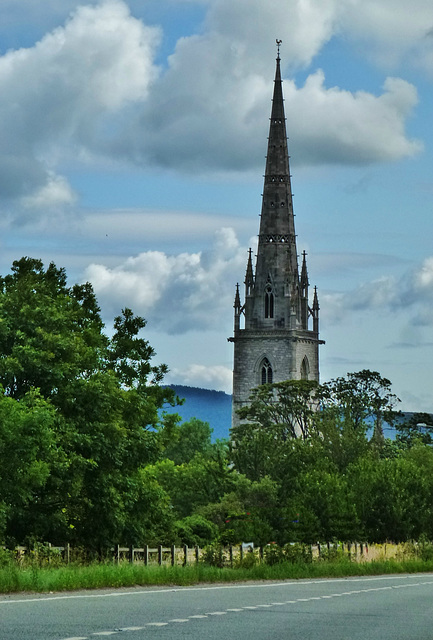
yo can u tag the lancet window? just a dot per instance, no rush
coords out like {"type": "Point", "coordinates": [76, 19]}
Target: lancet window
{"type": "Point", "coordinates": [266, 371]}
{"type": "Point", "coordinates": [269, 301]}
{"type": "Point", "coordinates": [305, 369]}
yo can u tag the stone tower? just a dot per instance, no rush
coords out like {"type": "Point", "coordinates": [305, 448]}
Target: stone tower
{"type": "Point", "coordinates": [272, 338]}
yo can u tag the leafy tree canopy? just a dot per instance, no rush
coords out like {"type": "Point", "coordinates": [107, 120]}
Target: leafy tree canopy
{"type": "Point", "coordinates": [81, 410]}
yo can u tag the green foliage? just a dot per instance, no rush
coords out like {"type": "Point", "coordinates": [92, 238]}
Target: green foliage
{"type": "Point", "coordinates": [285, 409]}
{"type": "Point", "coordinates": [184, 441]}
{"type": "Point", "coordinates": [214, 556]}
{"type": "Point", "coordinates": [78, 416]}
{"type": "Point", "coordinates": [195, 530]}
{"type": "Point", "coordinates": [418, 429]}
{"type": "Point", "coordinates": [359, 396]}
{"type": "Point", "coordinates": [295, 553]}
{"type": "Point", "coordinates": [89, 456]}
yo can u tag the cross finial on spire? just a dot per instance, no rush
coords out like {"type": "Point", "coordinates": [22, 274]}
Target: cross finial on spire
{"type": "Point", "coordinates": [278, 47]}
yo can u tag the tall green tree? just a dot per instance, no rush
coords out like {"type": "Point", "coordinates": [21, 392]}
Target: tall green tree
{"type": "Point", "coordinates": [417, 429]}
{"type": "Point", "coordinates": [361, 396]}
{"type": "Point", "coordinates": [103, 397]}
{"type": "Point", "coordinates": [284, 408]}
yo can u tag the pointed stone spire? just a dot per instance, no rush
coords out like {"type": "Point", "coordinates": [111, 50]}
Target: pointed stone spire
{"type": "Point", "coordinates": [277, 207]}
{"type": "Point", "coordinates": [237, 308]}
{"type": "Point", "coordinates": [315, 301]}
{"type": "Point", "coordinates": [304, 273]}
{"type": "Point", "coordinates": [275, 336]}
{"type": "Point", "coordinates": [316, 312]}
{"type": "Point", "coordinates": [304, 291]}
{"type": "Point", "coordinates": [277, 260]}
{"type": "Point", "coordinates": [237, 304]}
{"type": "Point", "coordinates": [249, 276]}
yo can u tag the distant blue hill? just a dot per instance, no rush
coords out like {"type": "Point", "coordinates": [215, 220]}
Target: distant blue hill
{"type": "Point", "coordinates": [214, 407]}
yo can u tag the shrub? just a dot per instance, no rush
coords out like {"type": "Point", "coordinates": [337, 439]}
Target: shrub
{"type": "Point", "coordinates": [213, 555]}
{"type": "Point", "coordinates": [294, 553]}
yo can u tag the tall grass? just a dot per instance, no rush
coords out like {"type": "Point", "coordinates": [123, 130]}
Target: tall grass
{"type": "Point", "coordinates": [72, 577]}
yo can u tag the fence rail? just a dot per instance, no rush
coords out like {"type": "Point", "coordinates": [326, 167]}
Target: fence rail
{"type": "Point", "coordinates": [184, 555]}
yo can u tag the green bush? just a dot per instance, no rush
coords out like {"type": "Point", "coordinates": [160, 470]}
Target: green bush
{"type": "Point", "coordinates": [213, 555]}
{"type": "Point", "coordinates": [295, 553]}
{"type": "Point", "coordinates": [248, 561]}
{"type": "Point", "coordinates": [6, 558]}
{"type": "Point", "coordinates": [195, 530]}
{"type": "Point", "coordinates": [298, 553]}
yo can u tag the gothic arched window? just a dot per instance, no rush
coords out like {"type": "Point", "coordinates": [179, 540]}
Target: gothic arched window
{"type": "Point", "coordinates": [266, 371]}
{"type": "Point", "coordinates": [305, 369]}
{"type": "Point", "coordinates": [269, 302]}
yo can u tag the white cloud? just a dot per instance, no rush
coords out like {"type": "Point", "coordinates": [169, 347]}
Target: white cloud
{"type": "Point", "coordinates": [209, 109]}
{"type": "Point", "coordinates": [175, 293]}
{"type": "Point", "coordinates": [390, 32]}
{"type": "Point", "coordinates": [56, 192]}
{"type": "Point", "coordinates": [90, 90]}
{"type": "Point", "coordinates": [410, 294]}
{"type": "Point", "coordinates": [59, 95]}
{"type": "Point", "coordinates": [337, 126]}
{"type": "Point", "coordinates": [423, 278]}
{"type": "Point", "coordinates": [250, 26]}
{"type": "Point", "coordinates": [198, 375]}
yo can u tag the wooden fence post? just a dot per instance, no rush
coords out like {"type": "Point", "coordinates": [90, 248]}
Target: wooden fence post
{"type": "Point", "coordinates": [231, 555]}
{"type": "Point", "coordinates": [131, 554]}
{"type": "Point", "coordinates": [173, 554]}
{"type": "Point", "coordinates": [241, 552]}
{"type": "Point", "coordinates": [146, 555]}
{"type": "Point", "coordinates": [185, 555]}
{"type": "Point", "coordinates": [197, 554]}
{"type": "Point", "coordinates": [160, 555]}
{"type": "Point", "coordinates": [117, 553]}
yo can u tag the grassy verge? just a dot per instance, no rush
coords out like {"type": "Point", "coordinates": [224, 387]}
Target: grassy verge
{"type": "Point", "coordinates": [33, 579]}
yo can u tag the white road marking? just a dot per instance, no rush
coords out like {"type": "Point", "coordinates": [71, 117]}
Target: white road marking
{"type": "Point", "coordinates": [179, 620]}
{"type": "Point", "coordinates": [141, 592]}
{"type": "Point", "coordinates": [247, 607]}
{"type": "Point", "coordinates": [217, 613]}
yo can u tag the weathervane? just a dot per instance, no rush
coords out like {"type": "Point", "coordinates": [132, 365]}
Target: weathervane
{"type": "Point", "coordinates": [278, 46]}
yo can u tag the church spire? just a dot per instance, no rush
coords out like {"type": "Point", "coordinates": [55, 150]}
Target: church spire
{"type": "Point", "coordinates": [277, 207]}
{"type": "Point", "coordinates": [276, 274]}
{"type": "Point", "coordinates": [275, 342]}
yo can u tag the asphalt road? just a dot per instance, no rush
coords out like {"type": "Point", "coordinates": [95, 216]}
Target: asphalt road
{"type": "Point", "coordinates": [377, 608]}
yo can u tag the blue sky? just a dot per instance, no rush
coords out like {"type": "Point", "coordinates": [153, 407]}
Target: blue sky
{"type": "Point", "coordinates": [133, 137]}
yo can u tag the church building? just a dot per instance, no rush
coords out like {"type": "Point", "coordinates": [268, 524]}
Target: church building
{"type": "Point", "coordinates": [276, 331]}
